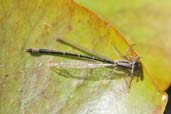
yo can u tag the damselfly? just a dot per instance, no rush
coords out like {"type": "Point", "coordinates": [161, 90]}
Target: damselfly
{"type": "Point", "coordinates": [131, 68]}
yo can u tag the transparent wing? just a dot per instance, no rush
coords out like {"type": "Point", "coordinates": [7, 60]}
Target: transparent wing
{"type": "Point", "coordinates": [79, 64]}
{"type": "Point", "coordinates": [87, 70]}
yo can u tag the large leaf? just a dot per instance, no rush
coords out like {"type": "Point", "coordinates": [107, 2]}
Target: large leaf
{"type": "Point", "coordinates": [146, 23]}
{"type": "Point", "coordinates": [29, 86]}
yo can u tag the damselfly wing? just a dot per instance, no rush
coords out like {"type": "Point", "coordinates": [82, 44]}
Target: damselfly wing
{"type": "Point", "coordinates": [86, 70]}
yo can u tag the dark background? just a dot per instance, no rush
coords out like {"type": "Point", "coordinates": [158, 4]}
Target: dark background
{"type": "Point", "coordinates": [168, 107]}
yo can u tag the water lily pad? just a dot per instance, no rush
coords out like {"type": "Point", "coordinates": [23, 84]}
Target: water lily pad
{"type": "Point", "coordinates": [29, 85]}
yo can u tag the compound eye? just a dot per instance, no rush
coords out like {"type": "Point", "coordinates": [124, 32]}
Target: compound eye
{"type": "Point", "coordinates": [134, 63]}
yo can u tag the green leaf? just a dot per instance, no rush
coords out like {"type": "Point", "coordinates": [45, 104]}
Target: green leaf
{"type": "Point", "coordinates": [28, 85]}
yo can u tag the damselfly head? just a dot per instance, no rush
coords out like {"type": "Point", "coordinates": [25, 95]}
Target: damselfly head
{"type": "Point", "coordinates": [137, 69]}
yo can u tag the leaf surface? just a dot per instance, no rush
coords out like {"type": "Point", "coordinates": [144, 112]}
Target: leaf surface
{"type": "Point", "coordinates": [28, 85]}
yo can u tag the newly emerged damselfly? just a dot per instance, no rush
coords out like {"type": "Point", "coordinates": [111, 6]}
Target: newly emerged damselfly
{"type": "Point", "coordinates": [131, 68]}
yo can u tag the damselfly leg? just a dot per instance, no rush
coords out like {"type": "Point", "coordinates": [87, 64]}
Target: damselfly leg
{"type": "Point", "coordinates": [127, 51]}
